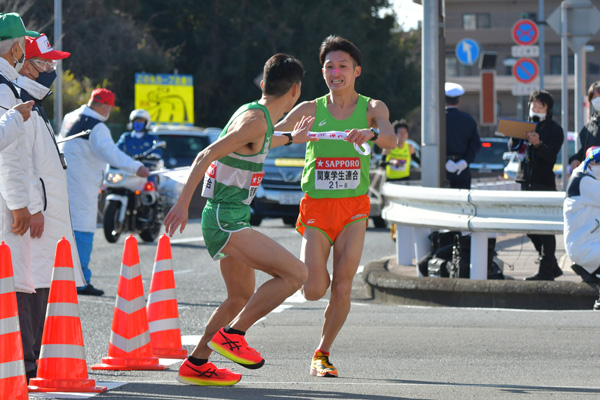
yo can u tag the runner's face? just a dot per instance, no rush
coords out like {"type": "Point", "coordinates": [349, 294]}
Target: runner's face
{"type": "Point", "coordinates": [339, 71]}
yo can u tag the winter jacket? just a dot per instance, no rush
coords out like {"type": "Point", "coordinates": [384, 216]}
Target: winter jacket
{"type": "Point", "coordinates": [536, 169]}
{"type": "Point", "coordinates": [581, 211]}
{"type": "Point", "coordinates": [588, 137]}
{"type": "Point", "coordinates": [14, 187]}
{"type": "Point", "coordinates": [11, 123]}
{"type": "Point", "coordinates": [87, 158]}
{"type": "Point", "coordinates": [51, 181]}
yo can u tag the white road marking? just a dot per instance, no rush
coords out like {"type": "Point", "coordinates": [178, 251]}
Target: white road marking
{"type": "Point", "coordinates": [75, 395]}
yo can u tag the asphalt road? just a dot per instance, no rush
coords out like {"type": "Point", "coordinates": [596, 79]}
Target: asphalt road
{"type": "Point", "coordinates": [383, 351]}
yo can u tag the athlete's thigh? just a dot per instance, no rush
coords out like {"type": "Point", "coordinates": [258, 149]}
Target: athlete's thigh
{"type": "Point", "coordinates": [239, 278]}
{"type": "Point", "coordinates": [259, 252]}
{"type": "Point", "coordinates": [347, 250]}
{"type": "Point", "coordinates": [315, 252]}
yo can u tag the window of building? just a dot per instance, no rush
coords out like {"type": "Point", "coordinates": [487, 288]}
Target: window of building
{"type": "Point", "coordinates": [593, 68]}
{"type": "Point", "coordinates": [529, 15]}
{"type": "Point", "coordinates": [451, 66]}
{"type": "Point", "coordinates": [473, 21]}
{"type": "Point", "coordinates": [555, 65]}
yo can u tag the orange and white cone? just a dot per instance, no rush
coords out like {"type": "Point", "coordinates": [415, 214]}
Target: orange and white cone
{"type": "Point", "coordinates": [163, 316]}
{"type": "Point", "coordinates": [129, 347]}
{"type": "Point", "coordinates": [13, 383]}
{"type": "Point", "coordinates": [62, 366]}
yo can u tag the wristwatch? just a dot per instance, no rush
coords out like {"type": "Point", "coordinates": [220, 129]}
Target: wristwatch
{"type": "Point", "coordinates": [290, 139]}
{"type": "Point", "coordinates": [375, 134]}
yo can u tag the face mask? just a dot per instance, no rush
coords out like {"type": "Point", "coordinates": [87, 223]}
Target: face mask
{"type": "Point", "coordinates": [596, 103]}
{"type": "Point", "coordinates": [536, 117]}
{"type": "Point", "coordinates": [139, 126]}
{"type": "Point", "coordinates": [21, 61]}
{"type": "Point", "coordinates": [46, 78]}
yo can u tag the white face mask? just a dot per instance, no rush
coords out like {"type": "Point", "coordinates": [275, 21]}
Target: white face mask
{"type": "Point", "coordinates": [596, 103]}
{"type": "Point", "coordinates": [21, 61]}
{"type": "Point", "coordinates": [540, 116]}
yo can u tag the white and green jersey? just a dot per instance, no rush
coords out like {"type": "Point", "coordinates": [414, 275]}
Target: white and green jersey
{"type": "Point", "coordinates": [235, 178]}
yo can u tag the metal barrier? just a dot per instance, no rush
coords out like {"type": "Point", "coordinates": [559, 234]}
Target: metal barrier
{"type": "Point", "coordinates": [477, 211]}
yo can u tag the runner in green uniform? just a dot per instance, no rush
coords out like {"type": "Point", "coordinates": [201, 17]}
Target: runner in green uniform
{"type": "Point", "coordinates": [233, 167]}
{"type": "Point", "coordinates": [335, 208]}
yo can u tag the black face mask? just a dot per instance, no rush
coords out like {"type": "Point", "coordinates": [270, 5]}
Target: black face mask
{"type": "Point", "coordinates": [46, 78]}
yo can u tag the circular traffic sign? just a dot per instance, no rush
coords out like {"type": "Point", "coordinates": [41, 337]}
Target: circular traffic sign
{"type": "Point", "coordinates": [525, 32]}
{"type": "Point", "coordinates": [525, 70]}
{"type": "Point", "coordinates": [467, 51]}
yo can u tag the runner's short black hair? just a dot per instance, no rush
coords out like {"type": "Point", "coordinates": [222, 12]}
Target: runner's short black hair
{"type": "Point", "coordinates": [338, 43]}
{"type": "Point", "coordinates": [399, 124]}
{"type": "Point", "coordinates": [280, 73]}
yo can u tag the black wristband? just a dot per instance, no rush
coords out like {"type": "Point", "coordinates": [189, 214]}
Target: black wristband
{"type": "Point", "coordinates": [290, 139]}
{"type": "Point", "coordinates": [375, 134]}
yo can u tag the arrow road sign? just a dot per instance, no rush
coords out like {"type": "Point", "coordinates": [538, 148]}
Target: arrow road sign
{"type": "Point", "coordinates": [525, 70]}
{"type": "Point", "coordinates": [525, 32]}
{"type": "Point", "coordinates": [467, 51]}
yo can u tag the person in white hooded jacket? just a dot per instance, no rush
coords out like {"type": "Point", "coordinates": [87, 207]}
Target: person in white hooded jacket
{"type": "Point", "coordinates": [50, 185]}
{"type": "Point", "coordinates": [15, 214]}
{"type": "Point", "coordinates": [87, 157]}
{"type": "Point", "coordinates": [581, 211]}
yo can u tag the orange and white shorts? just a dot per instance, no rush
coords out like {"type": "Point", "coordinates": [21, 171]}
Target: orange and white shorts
{"type": "Point", "coordinates": [330, 216]}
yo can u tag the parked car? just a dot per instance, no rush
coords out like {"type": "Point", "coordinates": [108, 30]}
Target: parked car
{"type": "Point", "coordinates": [183, 145]}
{"type": "Point", "coordinates": [489, 161]}
{"type": "Point", "coordinates": [280, 192]}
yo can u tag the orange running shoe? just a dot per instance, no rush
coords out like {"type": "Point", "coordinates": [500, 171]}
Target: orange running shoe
{"type": "Point", "coordinates": [321, 366]}
{"type": "Point", "coordinates": [235, 348]}
{"type": "Point", "coordinates": [206, 375]}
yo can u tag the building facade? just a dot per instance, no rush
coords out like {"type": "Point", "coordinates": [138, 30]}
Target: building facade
{"type": "Point", "coordinates": [490, 24]}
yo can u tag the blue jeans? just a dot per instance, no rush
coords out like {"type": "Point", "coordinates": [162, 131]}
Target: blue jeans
{"type": "Point", "coordinates": [84, 242]}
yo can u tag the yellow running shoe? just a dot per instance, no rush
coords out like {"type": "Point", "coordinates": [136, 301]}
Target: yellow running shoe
{"type": "Point", "coordinates": [321, 366]}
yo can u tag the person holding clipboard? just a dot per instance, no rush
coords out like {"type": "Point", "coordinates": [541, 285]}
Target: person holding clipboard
{"type": "Point", "coordinates": [537, 156]}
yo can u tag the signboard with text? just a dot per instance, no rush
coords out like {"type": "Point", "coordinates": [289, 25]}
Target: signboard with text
{"type": "Point", "coordinates": [168, 98]}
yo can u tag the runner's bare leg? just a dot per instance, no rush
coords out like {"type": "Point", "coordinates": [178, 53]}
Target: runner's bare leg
{"type": "Point", "coordinates": [240, 282]}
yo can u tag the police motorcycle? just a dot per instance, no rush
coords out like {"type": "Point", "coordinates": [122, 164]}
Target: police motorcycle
{"type": "Point", "coordinates": [133, 203]}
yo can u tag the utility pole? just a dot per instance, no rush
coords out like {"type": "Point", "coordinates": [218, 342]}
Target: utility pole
{"type": "Point", "coordinates": [58, 92]}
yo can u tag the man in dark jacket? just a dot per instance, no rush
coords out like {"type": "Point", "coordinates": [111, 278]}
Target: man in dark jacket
{"type": "Point", "coordinates": [537, 157]}
{"type": "Point", "coordinates": [462, 139]}
{"type": "Point", "coordinates": [590, 134]}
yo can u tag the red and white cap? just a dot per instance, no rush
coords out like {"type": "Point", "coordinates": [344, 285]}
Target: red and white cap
{"type": "Point", "coordinates": [40, 47]}
{"type": "Point", "coordinates": [103, 96]}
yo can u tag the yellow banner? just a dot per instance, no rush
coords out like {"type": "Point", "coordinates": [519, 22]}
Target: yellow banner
{"type": "Point", "coordinates": [168, 98]}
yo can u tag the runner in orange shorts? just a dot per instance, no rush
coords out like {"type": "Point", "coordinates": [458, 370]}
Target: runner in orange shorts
{"type": "Point", "coordinates": [336, 181]}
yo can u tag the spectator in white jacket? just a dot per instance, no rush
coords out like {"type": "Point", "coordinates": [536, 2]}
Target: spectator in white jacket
{"type": "Point", "coordinates": [87, 158]}
{"type": "Point", "coordinates": [14, 163]}
{"type": "Point", "coordinates": [50, 185]}
{"type": "Point", "coordinates": [581, 210]}
{"type": "Point", "coordinates": [11, 122]}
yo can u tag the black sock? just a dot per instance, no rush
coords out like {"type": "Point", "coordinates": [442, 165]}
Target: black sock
{"type": "Point", "coordinates": [229, 329]}
{"type": "Point", "coordinates": [197, 361]}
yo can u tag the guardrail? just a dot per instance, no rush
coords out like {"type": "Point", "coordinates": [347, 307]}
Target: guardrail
{"type": "Point", "coordinates": [477, 211]}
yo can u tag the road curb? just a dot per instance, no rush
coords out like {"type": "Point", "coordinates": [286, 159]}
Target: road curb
{"type": "Point", "coordinates": [393, 288]}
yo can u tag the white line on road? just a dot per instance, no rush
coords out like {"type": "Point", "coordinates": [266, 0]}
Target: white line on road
{"type": "Point", "coordinates": [76, 395]}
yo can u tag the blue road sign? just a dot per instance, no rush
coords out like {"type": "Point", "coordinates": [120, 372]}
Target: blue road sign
{"type": "Point", "coordinates": [467, 51]}
{"type": "Point", "coordinates": [525, 70]}
{"type": "Point", "coordinates": [525, 32]}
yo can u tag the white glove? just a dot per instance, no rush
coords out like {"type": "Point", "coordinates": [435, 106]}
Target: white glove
{"type": "Point", "coordinates": [451, 166]}
{"type": "Point", "coordinates": [461, 165]}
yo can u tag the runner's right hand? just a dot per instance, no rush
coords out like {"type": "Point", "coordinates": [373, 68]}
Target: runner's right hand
{"type": "Point", "coordinates": [178, 215]}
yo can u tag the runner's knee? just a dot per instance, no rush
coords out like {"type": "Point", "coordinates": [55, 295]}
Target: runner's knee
{"type": "Point", "coordinates": [313, 291]}
{"type": "Point", "coordinates": [341, 289]}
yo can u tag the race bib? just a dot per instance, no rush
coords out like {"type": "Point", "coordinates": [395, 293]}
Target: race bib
{"type": "Point", "coordinates": [257, 178]}
{"type": "Point", "coordinates": [401, 165]}
{"type": "Point", "coordinates": [337, 173]}
{"type": "Point", "coordinates": [209, 181]}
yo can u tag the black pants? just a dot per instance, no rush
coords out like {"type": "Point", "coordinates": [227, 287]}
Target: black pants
{"type": "Point", "coordinates": [462, 181]}
{"type": "Point", "coordinates": [32, 315]}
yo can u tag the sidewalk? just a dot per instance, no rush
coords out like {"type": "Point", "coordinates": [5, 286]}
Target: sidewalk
{"type": "Point", "coordinates": [398, 284]}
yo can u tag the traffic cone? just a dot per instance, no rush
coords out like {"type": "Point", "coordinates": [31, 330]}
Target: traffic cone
{"type": "Point", "coordinates": [62, 366]}
{"type": "Point", "coordinates": [13, 383]}
{"type": "Point", "coordinates": [163, 316]}
{"type": "Point", "coordinates": [129, 347]}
